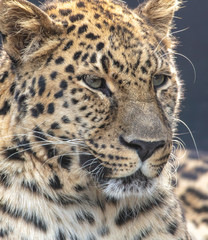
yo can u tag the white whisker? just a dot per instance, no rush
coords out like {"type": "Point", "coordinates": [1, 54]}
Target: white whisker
{"type": "Point", "coordinates": [178, 31]}
{"type": "Point", "coordinates": [180, 54]}
{"type": "Point", "coordinates": [192, 136]}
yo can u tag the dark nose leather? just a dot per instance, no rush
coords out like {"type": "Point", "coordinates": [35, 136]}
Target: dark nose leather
{"type": "Point", "coordinates": [143, 149]}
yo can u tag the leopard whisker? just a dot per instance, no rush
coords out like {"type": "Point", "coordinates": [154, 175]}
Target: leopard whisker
{"type": "Point", "coordinates": [66, 154]}
{"type": "Point", "coordinates": [75, 141]}
{"type": "Point", "coordinates": [189, 60]}
{"type": "Point", "coordinates": [89, 162]}
{"type": "Point", "coordinates": [29, 148]}
{"type": "Point", "coordinates": [171, 34]}
{"type": "Point", "coordinates": [191, 134]}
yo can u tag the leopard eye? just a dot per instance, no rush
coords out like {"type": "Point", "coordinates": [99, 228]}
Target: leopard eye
{"type": "Point", "coordinates": [92, 81]}
{"type": "Point", "coordinates": [159, 80]}
{"type": "Point", "coordinates": [97, 83]}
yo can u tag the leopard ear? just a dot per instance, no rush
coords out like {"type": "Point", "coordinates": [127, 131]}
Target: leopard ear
{"type": "Point", "coordinates": [159, 13]}
{"type": "Point", "coordinates": [24, 27]}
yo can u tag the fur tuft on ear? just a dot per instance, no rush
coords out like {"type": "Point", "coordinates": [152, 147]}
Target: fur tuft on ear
{"type": "Point", "coordinates": [23, 26]}
{"type": "Point", "coordinates": [159, 13]}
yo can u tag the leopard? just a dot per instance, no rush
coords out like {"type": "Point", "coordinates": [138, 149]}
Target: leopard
{"type": "Point", "coordinates": [89, 97]}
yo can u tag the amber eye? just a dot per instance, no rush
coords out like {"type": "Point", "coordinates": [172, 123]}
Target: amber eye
{"type": "Point", "coordinates": [159, 80]}
{"type": "Point", "coordinates": [92, 81]}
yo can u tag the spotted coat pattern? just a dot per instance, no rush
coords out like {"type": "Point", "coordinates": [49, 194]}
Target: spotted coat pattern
{"type": "Point", "coordinates": [191, 187]}
{"type": "Point", "coordinates": [88, 96]}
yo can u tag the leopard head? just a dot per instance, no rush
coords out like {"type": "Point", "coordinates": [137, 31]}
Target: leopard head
{"type": "Point", "coordinates": [100, 76]}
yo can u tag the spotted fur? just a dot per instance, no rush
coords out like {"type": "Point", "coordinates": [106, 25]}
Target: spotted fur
{"type": "Point", "coordinates": [86, 128]}
{"type": "Point", "coordinates": [191, 187]}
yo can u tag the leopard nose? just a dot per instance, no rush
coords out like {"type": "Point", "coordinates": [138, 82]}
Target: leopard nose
{"type": "Point", "coordinates": [144, 149]}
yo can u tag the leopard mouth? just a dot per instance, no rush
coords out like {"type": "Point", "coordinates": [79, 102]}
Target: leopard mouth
{"type": "Point", "coordinates": [138, 177]}
{"type": "Point", "coordinates": [132, 184]}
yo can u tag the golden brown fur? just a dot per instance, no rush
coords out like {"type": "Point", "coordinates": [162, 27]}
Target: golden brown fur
{"type": "Point", "coordinates": [89, 93]}
{"type": "Point", "coordinates": [192, 189]}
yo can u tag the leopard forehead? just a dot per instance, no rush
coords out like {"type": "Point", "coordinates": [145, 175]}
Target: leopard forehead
{"type": "Point", "coordinates": [105, 25]}
{"type": "Point", "coordinates": [106, 39]}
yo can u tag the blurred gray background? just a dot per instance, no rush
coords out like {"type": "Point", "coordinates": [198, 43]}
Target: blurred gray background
{"type": "Point", "coordinates": [194, 46]}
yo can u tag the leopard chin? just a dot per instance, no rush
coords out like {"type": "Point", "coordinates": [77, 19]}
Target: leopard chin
{"type": "Point", "coordinates": [137, 185]}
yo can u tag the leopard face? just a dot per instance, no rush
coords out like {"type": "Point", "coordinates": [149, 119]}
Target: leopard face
{"type": "Point", "coordinates": [97, 81]}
